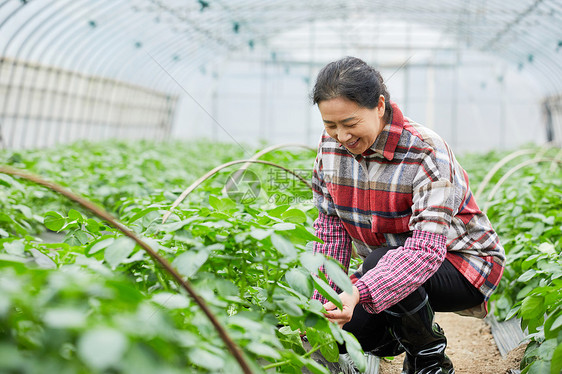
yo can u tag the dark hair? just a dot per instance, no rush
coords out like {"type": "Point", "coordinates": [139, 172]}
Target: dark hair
{"type": "Point", "coordinates": [353, 79]}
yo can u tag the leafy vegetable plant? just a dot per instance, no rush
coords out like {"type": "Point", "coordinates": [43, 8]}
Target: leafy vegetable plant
{"type": "Point", "coordinates": [94, 302]}
{"type": "Point", "coordinates": [527, 215]}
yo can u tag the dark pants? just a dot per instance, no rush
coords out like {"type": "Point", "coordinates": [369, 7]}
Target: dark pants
{"type": "Point", "coordinates": [447, 290]}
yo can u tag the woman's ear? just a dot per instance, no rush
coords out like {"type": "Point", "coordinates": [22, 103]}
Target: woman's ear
{"type": "Point", "coordinates": [381, 106]}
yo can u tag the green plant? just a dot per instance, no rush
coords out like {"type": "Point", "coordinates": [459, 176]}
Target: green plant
{"type": "Point", "coordinates": [250, 263]}
{"type": "Point", "coordinates": [526, 215]}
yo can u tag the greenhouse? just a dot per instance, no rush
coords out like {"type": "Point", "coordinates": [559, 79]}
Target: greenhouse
{"type": "Point", "coordinates": [214, 186]}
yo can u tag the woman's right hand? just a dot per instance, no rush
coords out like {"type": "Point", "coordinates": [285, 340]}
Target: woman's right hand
{"type": "Point", "coordinates": [344, 315]}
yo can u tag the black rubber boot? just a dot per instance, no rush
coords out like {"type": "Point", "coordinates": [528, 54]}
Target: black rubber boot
{"type": "Point", "coordinates": [390, 346]}
{"type": "Point", "coordinates": [408, 365]}
{"type": "Point", "coordinates": [423, 340]}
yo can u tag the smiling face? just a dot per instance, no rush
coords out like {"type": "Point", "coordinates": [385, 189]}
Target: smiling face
{"type": "Point", "coordinates": [355, 127]}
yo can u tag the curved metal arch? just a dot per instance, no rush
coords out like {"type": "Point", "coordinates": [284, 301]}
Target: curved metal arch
{"type": "Point", "coordinates": [72, 30]}
{"type": "Point", "coordinates": [68, 31]}
{"type": "Point", "coordinates": [209, 174]}
{"type": "Point", "coordinates": [193, 25]}
{"type": "Point", "coordinates": [163, 72]}
{"type": "Point", "coordinates": [154, 54]}
{"type": "Point", "coordinates": [546, 82]}
{"type": "Point", "coordinates": [534, 43]}
{"type": "Point", "coordinates": [261, 153]}
{"type": "Point", "coordinates": [141, 64]}
{"type": "Point", "coordinates": [507, 175]}
{"type": "Point", "coordinates": [54, 17]}
{"type": "Point", "coordinates": [10, 15]}
{"type": "Point", "coordinates": [482, 186]}
{"type": "Point", "coordinates": [127, 62]}
{"type": "Point", "coordinates": [125, 65]}
{"type": "Point", "coordinates": [108, 61]}
{"type": "Point", "coordinates": [14, 61]}
{"type": "Point", "coordinates": [83, 59]}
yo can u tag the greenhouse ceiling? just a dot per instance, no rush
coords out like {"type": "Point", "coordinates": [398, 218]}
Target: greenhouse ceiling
{"type": "Point", "coordinates": [145, 40]}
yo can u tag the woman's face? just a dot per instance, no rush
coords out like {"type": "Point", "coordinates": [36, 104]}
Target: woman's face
{"type": "Point", "coordinates": [355, 127]}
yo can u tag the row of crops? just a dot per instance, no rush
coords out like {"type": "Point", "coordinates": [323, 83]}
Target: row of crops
{"type": "Point", "coordinates": [77, 296]}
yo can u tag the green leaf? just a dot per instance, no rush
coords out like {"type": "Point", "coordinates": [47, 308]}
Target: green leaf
{"type": "Point", "coordinates": [557, 323]}
{"type": "Point", "coordinates": [16, 248]}
{"type": "Point", "coordinates": [284, 246]}
{"type": "Point", "coordinates": [74, 215]}
{"type": "Point", "coordinates": [294, 216]}
{"type": "Point", "coordinates": [102, 244]}
{"type": "Point", "coordinates": [214, 202]}
{"type": "Point", "coordinates": [355, 352]}
{"type": "Point", "coordinates": [206, 359]}
{"type": "Point", "coordinates": [283, 226]}
{"type": "Point", "coordinates": [512, 312]}
{"type": "Point", "coordinates": [327, 291]}
{"type": "Point", "coordinates": [556, 360]}
{"type": "Point", "coordinates": [524, 292]}
{"type": "Point", "coordinates": [314, 337]}
{"type": "Point", "coordinates": [25, 210]}
{"type": "Point", "coordinates": [527, 276]}
{"type": "Point", "coordinates": [547, 248]}
{"type": "Point", "coordinates": [290, 308]}
{"type": "Point", "coordinates": [532, 307]}
{"type": "Point", "coordinates": [54, 221]}
{"type": "Point", "coordinates": [313, 366]}
{"type": "Point", "coordinates": [6, 180]}
{"type": "Point", "coordinates": [118, 251]}
{"type": "Point", "coordinates": [278, 211]}
{"type": "Point", "coordinates": [263, 350]}
{"type": "Point", "coordinates": [93, 226]}
{"type": "Point", "coordinates": [336, 332]}
{"type": "Point", "coordinates": [300, 281]}
{"type": "Point", "coordinates": [539, 367]}
{"type": "Point", "coordinates": [77, 237]}
{"type": "Point", "coordinates": [291, 338]}
{"type": "Point", "coordinates": [42, 260]}
{"type": "Point", "coordinates": [311, 261]}
{"type": "Point", "coordinates": [302, 233]}
{"type": "Point", "coordinates": [222, 204]}
{"type": "Point", "coordinates": [102, 348]}
{"type": "Point", "coordinates": [338, 276]}
{"type": "Point", "coordinates": [188, 263]}
{"type": "Point", "coordinates": [142, 213]}
{"type": "Point", "coordinates": [19, 228]}
{"type": "Point", "coordinates": [260, 234]}
{"type": "Point", "coordinates": [330, 351]}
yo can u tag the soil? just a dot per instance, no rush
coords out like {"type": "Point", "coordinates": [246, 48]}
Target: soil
{"type": "Point", "coordinates": [471, 347]}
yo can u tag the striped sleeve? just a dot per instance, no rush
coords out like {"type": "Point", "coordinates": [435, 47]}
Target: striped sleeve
{"type": "Point", "coordinates": [433, 196]}
{"type": "Point", "coordinates": [328, 226]}
{"type": "Point", "coordinates": [337, 244]}
{"type": "Point", "coordinates": [401, 271]}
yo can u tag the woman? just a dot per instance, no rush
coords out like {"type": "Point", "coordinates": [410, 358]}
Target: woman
{"type": "Point", "coordinates": [394, 189]}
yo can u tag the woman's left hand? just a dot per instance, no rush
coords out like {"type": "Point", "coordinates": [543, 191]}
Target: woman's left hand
{"type": "Point", "coordinates": [343, 316]}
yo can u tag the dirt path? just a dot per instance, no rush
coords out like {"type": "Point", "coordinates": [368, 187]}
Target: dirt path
{"type": "Point", "coordinates": [471, 347]}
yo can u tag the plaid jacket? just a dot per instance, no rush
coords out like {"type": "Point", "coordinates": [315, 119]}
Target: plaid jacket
{"type": "Point", "coordinates": [406, 190]}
